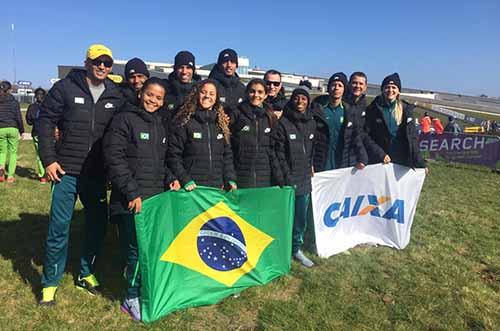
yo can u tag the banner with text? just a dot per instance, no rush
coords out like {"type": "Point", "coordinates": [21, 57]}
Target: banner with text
{"type": "Point", "coordinates": [463, 148]}
{"type": "Point", "coordinates": [375, 205]}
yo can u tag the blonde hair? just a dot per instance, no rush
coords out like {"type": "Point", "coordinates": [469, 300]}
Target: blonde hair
{"type": "Point", "coordinates": [398, 111]}
{"type": "Point", "coordinates": [190, 105]}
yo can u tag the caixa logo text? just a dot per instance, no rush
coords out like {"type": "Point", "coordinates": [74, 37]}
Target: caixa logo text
{"type": "Point", "coordinates": [364, 204]}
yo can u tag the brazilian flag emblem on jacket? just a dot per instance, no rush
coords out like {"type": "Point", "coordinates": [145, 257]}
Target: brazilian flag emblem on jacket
{"type": "Point", "coordinates": [195, 248]}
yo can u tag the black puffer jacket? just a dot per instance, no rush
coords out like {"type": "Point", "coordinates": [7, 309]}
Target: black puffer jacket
{"type": "Point", "coordinates": [378, 129]}
{"type": "Point", "coordinates": [129, 93]}
{"type": "Point", "coordinates": [69, 106]}
{"type": "Point", "coordinates": [349, 149]}
{"type": "Point", "coordinates": [359, 107]}
{"type": "Point", "coordinates": [32, 116]}
{"type": "Point", "coordinates": [294, 147]}
{"type": "Point", "coordinates": [135, 148]}
{"type": "Point", "coordinates": [10, 113]}
{"type": "Point", "coordinates": [231, 90]}
{"type": "Point", "coordinates": [255, 160]}
{"type": "Point", "coordinates": [278, 102]}
{"type": "Point", "coordinates": [177, 91]}
{"type": "Point", "coordinates": [198, 151]}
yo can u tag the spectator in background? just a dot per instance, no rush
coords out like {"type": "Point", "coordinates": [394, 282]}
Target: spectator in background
{"type": "Point", "coordinates": [494, 126]}
{"type": "Point", "coordinates": [181, 80]}
{"type": "Point", "coordinates": [231, 91]}
{"type": "Point", "coordinates": [32, 116]}
{"type": "Point", "coordinates": [438, 127]}
{"type": "Point", "coordinates": [81, 105]}
{"type": "Point", "coordinates": [136, 73]}
{"type": "Point", "coordinates": [425, 123]}
{"type": "Point", "coordinates": [11, 126]}
{"type": "Point", "coordinates": [276, 99]}
{"type": "Point", "coordinates": [417, 126]}
{"type": "Point", "coordinates": [452, 126]}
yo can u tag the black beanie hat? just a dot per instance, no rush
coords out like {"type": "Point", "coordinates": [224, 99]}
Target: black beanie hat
{"type": "Point", "coordinates": [338, 76]}
{"type": "Point", "coordinates": [5, 85]}
{"type": "Point", "coordinates": [394, 78]}
{"type": "Point", "coordinates": [227, 54]}
{"type": "Point", "coordinates": [184, 58]}
{"type": "Point", "coordinates": [302, 91]}
{"type": "Point", "coordinates": [41, 90]}
{"type": "Point", "coordinates": [135, 66]}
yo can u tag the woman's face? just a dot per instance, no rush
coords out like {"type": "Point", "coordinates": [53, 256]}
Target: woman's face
{"type": "Point", "coordinates": [207, 96]}
{"type": "Point", "coordinates": [152, 97]}
{"type": "Point", "coordinates": [257, 94]}
{"type": "Point", "coordinates": [300, 102]}
{"type": "Point", "coordinates": [391, 92]}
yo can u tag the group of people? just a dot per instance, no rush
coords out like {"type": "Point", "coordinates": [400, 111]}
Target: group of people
{"type": "Point", "coordinates": [149, 135]}
{"type": "Point", "coordinates": [430, 124]}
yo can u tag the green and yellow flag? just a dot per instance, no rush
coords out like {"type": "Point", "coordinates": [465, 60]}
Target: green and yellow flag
{"type": "Point", "coordinates": [196, 248]}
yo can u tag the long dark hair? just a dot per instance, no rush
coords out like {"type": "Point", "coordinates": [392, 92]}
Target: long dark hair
{"type": "Point", "coordinates": [190, 105]}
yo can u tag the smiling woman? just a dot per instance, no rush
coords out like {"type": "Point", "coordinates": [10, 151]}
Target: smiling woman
{"type": "Point", "coordinates": [199, 152]}
{"type": "Point", "coordinates": [137, 133]}
{"type": "Point", "coordinates": [252, 127]}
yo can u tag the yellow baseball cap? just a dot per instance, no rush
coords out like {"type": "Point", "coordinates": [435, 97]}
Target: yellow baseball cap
{"type": "Point", "coordinates": [117, 79]}
{"type": "Point", "coordinates": [97, 50]}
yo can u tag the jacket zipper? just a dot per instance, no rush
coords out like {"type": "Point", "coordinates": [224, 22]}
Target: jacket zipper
{"type": "Point", "coordinates": [155, 144]}
{"type": "Point", "coordinates": [256, 148]}
{"type": "Point", "coordinates": [92, 124]}
{"type": "Point", "coordinates": [209, 148]}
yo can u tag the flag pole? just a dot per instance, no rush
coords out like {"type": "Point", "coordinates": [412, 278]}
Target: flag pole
{"type": "Point", "coordinates": [14, 53]}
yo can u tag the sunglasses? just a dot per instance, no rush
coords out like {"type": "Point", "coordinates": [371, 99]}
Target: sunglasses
{"type": "Point", "coordinates": [270, 83]}
{"type": "Point", "coordinates": [97, 62]}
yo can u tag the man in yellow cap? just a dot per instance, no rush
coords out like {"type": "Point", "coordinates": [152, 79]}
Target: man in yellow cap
{"type": "Point", "coordinates": [80, 106]}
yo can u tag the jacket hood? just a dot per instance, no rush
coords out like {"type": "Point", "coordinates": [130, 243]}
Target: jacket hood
{"type": "Point", "coordinates": [7, 98]}
{"type": "Point", "coordinates": [248, 110]}
{"type": "Point", "coordinates": [139, 111]}
{"type": "Point", "coordinates": [351, 99]}
{"type": "Point", "coordinates": [172, 77]}
{"type": "Point", "coordinates": [205, 116]}
{"type": "Point", "coordinates": [78, 77]}
{"type": "Point", "coordinates": [218, 74]}
{"type": "Point", "coordinates": [295, 116]}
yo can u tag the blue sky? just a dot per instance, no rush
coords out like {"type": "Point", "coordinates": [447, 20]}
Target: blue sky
{"type": "Point", "coordinates": [438, 45]}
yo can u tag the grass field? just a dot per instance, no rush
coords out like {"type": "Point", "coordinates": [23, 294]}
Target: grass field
{"type": "Point", "coordinates": [448, 278]}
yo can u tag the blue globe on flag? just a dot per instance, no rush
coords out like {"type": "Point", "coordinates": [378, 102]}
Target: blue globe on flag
{"type": "Point", "coordinates": [221, 244]}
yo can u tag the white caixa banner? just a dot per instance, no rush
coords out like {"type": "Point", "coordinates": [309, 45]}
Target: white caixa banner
{"type": "Point", "coordinates": [375, 205]}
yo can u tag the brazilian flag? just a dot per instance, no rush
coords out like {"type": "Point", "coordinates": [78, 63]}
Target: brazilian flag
{"type": "Point", "coordinates": [196, 248]}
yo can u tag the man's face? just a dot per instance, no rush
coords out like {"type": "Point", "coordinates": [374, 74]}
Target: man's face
{"type": "Point", "coordinates": [137, 81]}
{"type": "Point", "coordinates": [337, 90]}
{"type": "Point", "coordinates": [274, 84]}
{"type": "Point", "coordinates": [229, 68]}
{"type": "Point", "coordinates": [100, 67]}
{"type": "Point", "coordinates": [39, 96]}
{"type": "Point", "coordinates": [358, 86]}
{"type": "Point", "coordinates": [184, 74]}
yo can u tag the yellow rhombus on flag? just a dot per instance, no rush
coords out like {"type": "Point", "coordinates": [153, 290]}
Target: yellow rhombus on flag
{"type": "Point", "coordinates": [195, 247]}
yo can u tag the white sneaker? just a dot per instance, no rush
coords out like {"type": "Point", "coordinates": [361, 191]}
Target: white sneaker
{"type": "Point", "coordinates": [300, 257]}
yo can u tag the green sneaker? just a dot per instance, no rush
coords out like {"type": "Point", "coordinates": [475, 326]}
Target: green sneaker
{"type": "Point", "coordinates": [88, 283]}
{"type": "Point", "coordinates": [48, 296]}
